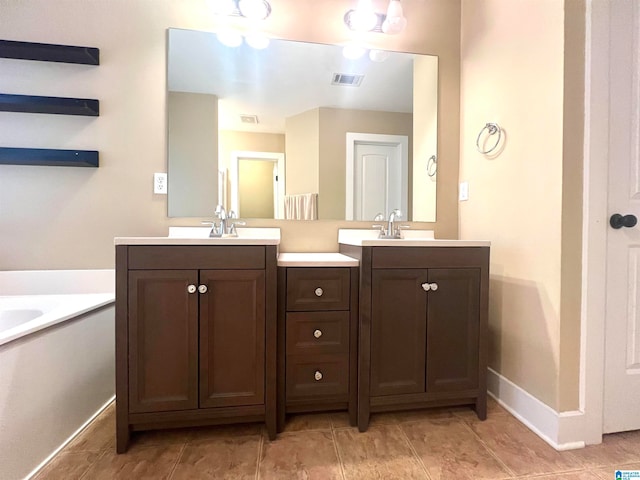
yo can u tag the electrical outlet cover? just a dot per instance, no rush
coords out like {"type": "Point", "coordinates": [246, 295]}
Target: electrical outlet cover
{"type": "Point", "coordinates": [160, 183]}
{"type": "Point", "coordinates": [463, 192]}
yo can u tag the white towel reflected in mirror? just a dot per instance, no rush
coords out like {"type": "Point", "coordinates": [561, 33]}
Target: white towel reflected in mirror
{"type": "Point", "coordinates": [301, 207]}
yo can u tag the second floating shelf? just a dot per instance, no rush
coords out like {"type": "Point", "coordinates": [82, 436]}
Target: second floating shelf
{"type": "Point", "coordinates": [57, 105]}
{"type": "Point", "coordinates": [48, 52]}
{"type": "Point", "coordinates": [48, 157]}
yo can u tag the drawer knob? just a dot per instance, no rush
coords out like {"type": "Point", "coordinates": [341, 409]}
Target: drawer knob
{"type": "Point", "coordinates": [202, 288]}
{"type": "Point", "coordinates": [191, 288]}
{"type": "Point", "coordinates": [317, 333]}
{"type": "Point", "coordinates": [434, 287]}
{"type": "Point", "coordinates": [318, 375]}
{"type": "Point", "coordinates": [319, 292]}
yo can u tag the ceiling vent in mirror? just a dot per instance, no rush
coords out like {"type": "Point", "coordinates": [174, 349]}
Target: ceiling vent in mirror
{"type": "Point", "coordinates": [347, 79]}
{"type": "Point", "coordinates": [252, 119]}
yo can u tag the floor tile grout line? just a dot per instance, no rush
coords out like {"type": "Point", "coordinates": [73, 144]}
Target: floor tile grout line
{"type": "Point", "coordinates": [175, 464]}
{"type": "Point", "coordinates": [337, 450]}
{"type": "Point", "coordinates": [259, 459]}
{"type": "Point", "coordinates": [583, 467]}
{"type": "Point", "coordinates": [99, 456]}
{"type": "Point", "coordinates": [414, 452]}
{"type": "Point", "coordinates": [489, 449]}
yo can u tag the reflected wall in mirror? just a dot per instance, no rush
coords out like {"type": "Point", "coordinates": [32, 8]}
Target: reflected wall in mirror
{"type": "Point", "coordinates": [324, 136]}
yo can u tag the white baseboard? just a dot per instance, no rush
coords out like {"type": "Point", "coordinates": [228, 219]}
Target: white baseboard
{"type": "Point", "coordinates": [563, 431]}
{"type": "Point", "coordinates": [68, 440]}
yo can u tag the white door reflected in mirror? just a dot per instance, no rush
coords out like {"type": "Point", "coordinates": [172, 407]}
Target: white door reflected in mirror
{"type": "Point", "coordinates": [377, 172]}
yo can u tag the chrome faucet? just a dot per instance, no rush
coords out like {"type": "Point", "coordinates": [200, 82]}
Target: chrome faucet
{"type": "Point", "coordinates": [225, 227]}
{"type": "Point", "coordinates": [222, 215]}
{"type": "Point", "coordinates": [391, 230]}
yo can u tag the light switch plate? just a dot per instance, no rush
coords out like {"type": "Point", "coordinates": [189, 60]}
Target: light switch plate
{"type": "Point", "coordinates": [160, 183]}
{"type": "Point", "coordinates": [463, 192]}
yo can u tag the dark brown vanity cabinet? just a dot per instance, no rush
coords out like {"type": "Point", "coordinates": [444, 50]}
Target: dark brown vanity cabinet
{"type": "Point", "coordinates": [317, 340]}
{"type": "Point", "coordinates": [195, 336]}
{"type": "Point", "coordinates": [423, 328]}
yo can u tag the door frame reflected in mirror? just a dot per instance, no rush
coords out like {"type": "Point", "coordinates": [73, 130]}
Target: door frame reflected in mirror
{"type": "Point", "coordinates": [279, 180]}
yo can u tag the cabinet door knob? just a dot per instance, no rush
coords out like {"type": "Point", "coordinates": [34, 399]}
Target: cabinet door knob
{"type": "Point", "coordinates": [426, 287]}
{"type": "Point", "coordinates": [318, 375]}
{"type": "Point", "coordinates": [202, 288]}
{"type": "Point", "coordinates": [434, 287]}
{"type": "Point", "coordinates": [319, 292]}
{"type": "Point", "coordinates": [191, 288]}
{"type": "Point", "coordinates": [317, 333]}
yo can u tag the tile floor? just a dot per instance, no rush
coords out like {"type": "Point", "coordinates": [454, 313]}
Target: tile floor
{"type": "Point", "coordinates": [427, 444]}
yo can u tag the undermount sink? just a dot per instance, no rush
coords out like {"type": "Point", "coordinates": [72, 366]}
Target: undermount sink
{"type": "Point", "coordinates": [370, 237]}
{"type": "Point", "coordinates": [410, 238]}
{"type": "Point", "coordinates": [246, 236]}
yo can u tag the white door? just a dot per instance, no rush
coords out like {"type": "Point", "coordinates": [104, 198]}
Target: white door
{"type": "Point", "coordinates": [377, 182]}
{"type": "Point", "coordinates": [622, 336]}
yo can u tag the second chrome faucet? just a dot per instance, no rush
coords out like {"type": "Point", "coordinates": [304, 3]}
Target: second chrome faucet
{"type": "Point", "coordinates": [392, 230]}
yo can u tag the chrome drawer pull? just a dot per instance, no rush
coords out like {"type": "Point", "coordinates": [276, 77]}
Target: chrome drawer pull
{"type": "Point", "coordinates": [318, 375]}
{"type": "Point", "coordinates": [202, 289]}
{"type": "Point", "coordinates": [317, 333]}
{"type": "Point", "coordinates": [319, 292]}
{"type": "Point", "coordinates": [191, 288]}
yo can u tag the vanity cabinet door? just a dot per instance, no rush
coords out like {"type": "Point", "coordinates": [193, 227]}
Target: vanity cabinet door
{"type": "Point", "coordinates": [163, 340]}
{"type": "Point", "coordinates": [453, 323]}
{"type": "Point", "coordinates": [232, 338]}
{"type": "Point", "coordinates": [398, 331]}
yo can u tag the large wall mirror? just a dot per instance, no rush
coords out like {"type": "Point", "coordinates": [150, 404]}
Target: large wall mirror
{"type": "Point", "coordinates": [299, 131]}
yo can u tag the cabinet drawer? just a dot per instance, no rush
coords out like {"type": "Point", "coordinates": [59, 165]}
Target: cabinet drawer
{"type": "Point", "coordinates": [196, 257]}
{"type": "Point", "coordinates": [313, 376]}
{"type": "Point", "coordinates": [429, 257]}
{"type": "Point", "coordinates": [317, 332]}
{"type": "Point", "coordinates": [317, 289]}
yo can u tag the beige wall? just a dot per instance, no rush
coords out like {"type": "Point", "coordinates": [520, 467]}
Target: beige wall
{"type": "Point", "coordinates": [572, 174]}
{"type": "Point", "coordinates": [425, 137]}
{"type": "Point", "coordinates": [191, 148]}
{"type": "Point", "coordinates": [232, 140]}
{"type": "Point", "coordinates": [302, 150]}
{"type": "Point", "coordinates": [513, 73]}
{"type": "Point", "coordinates": [55, 217]}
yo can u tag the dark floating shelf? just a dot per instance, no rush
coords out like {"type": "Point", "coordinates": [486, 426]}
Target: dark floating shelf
{"type": "Point", "coordinates": [47, 52]}
{"type": "Point", "coordinates": [48, 157]}
{"type": "Point", "coordinates": [57, 105]}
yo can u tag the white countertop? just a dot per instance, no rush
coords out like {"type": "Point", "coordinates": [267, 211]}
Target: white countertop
{"type": "Point", "coordinates": [200, 236]}
{"type": "Point", "coordinates": [413, 238]}
{"type": "Point", "coordinates": [316, 260]}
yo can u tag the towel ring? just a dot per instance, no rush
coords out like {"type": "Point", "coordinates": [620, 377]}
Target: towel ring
{"type": "Point", "coordinates": [492, 129]}
{"type": "Point", "coordinates": [432, 166]}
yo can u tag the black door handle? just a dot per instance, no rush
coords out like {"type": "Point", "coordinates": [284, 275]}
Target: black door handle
{"type": "Point", "coordinates": [618, 221]}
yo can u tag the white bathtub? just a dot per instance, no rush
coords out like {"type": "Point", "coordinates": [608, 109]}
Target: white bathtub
{"type": "Point", "coordinates": [56, 361]}
{"type": "Point", "coordinates": [22, 315]}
